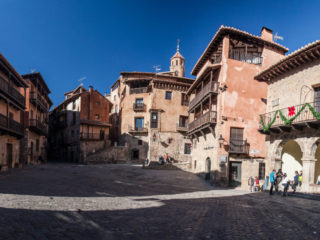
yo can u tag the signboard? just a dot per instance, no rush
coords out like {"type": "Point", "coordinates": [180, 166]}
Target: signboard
{"type": "Point", "coordinates": [254, 151]}
{"type": "Point", "coordinates": [223, 158]}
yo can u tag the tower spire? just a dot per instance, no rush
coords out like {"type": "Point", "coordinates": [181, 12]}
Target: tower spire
{"type": "Point", "coordinates": [178, 42]}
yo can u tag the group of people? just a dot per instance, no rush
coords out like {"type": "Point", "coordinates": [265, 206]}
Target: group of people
{"type": "Point", "coordinates": [165, 159]}
{"type": "Point", "coordinates": [254, 184]}
{"type": "Point", "coordinates": [277, 178]}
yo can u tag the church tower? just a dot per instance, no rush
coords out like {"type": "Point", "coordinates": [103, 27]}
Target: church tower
{"type": "Point", "coordinates": [177, 63]}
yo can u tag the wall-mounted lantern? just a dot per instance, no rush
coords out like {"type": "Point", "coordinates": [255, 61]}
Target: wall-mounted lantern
{"type": "Point", "coordinates": [221, 140]}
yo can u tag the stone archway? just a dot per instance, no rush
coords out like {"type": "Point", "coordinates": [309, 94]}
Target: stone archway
{"type": "Point", "coordinates": [315, 152]}
{"type": "Point", "coordinates": [288, 157]}
{"type": "Point", "coordinates": [291, 158]}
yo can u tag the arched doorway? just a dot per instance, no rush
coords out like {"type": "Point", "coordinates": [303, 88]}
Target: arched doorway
{"type": "Point", "coordinates": [291, 158]}
{"type": "Point", "coordinates": [208, 169]}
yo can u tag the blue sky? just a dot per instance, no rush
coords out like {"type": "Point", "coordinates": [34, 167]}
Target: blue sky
{"type": "Point", "coordinates": [69, 39]}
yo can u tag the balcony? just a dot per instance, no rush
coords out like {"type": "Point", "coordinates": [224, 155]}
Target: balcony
{"type": "Point", "coordinates": [203, 121]}
{"type": "Point", "coordinates": [300, 116]}
{"type": "Point", "coordinates": [253, 58]}
{"type": "Point", "coordinates": [238, 146]}
{"type": "Point", "coordinates": [139, 90]}
{"type": "Point", "coordinates": [61, 124]}
{"type": "Point", "coordinates": [182, 127]}
{"type": "Point", "coordinates": [91, 136]}
{"type": "Point", "coordinates": [36, 126]}
{"type": "Point", "coordinates": [10, 126]}
{"type": "Point", "coordinates": [211, 87]}
{"type": "Point", "coordinates": [11, 92]}
{"type": "Point", "coordinates": [37, 100]}
{"type": "Point", "coordinates": [139, 107]}
{"type": "Point", "coordinates": [138, 130]}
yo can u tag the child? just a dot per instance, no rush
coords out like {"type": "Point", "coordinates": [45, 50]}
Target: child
{"type": "Point", "coordinates": [257, 185]}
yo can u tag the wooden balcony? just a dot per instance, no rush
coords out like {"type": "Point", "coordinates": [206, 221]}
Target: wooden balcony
{"type": "Point", "coordinates": [36, 126]}
{"type": "Point", "coordinates": [37, 100]}
{"type": "Point", "coordinates": [139, 90]}
{"type": "Point", "coordinates": [139, 107]}
{"type": "Point", "coordinates": [11, 127]}
{"type": "Point", "coordinates": [238, 146]}
{"type": "Point", "coordinates": [11, 93]}
{"type": "Point", "coordinates": [91, 136]}
{"type": "Point", "coordinates": [300, 118]}
{"type": "Point", "coordinates": [204, 121]}
{"type": "Point", "coordinates": [138, 130]}
{"type": "Point", "coordinates": [211, 87]}
{"type": "Point", "coordinates": [182, 127]}
{"type": "Point", "coordinates": [249, 58]}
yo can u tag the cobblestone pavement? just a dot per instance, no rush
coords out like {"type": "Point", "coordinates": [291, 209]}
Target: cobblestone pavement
{"type": "Point", "coordinates": [66, 201]}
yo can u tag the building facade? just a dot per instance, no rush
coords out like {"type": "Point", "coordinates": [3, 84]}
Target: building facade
{"type": "Point", "coordinates": [291, 120]}
{"type": "Point", "coordinates": [224, 102]}
{"type": "Point", "coordinates": [12, 106]}
{"type": "Point", "coordinates": [38, 105]}
{"type": "Point", "coordinates": [79, 126]}
{"type": "Point", "coordinates": [151, 111]}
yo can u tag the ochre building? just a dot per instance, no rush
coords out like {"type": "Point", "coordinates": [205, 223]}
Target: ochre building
{"type": "Point", "coordinates": [38, 105]}
{"type": "Point", "coordinates": [150, 113]}
{"type": "Point", "coordinates": [291, 119]}
{"type": "Point", "coordinates": [12, 106]}
{"type": "Point", "coordinates": [225, 102]}
{"type": "Point", "coordinates": [79, 126]}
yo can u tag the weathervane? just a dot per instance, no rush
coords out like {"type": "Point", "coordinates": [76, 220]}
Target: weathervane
{"type": "Point", "coordinates": [178, 42]}
{"type": "Point", "coordinates": [276, 37]}
{"type": "Point", "coordinates": [81, 80]}
{"type": "Point", "coordinates": [157, 68]}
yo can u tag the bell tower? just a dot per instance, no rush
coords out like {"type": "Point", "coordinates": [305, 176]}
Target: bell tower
{"type": "Point", "coordinates": [177, 63]}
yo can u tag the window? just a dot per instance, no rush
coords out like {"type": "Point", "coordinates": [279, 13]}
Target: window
{"type": "Point", "coordinates": [139, 101]}
{"type": "Point", "coordinates": [176, 62]}
{"type": "Point", "coordinates": [262, 170]}
{"type": "Point", "coordinates": [37, 145]}
{"type": "Point", "coordinates": [317, 99]}
{"type": "Point", "coordinates": [195, 164]}
{"type": "Point", "coordinates": [114, 97]}
{"type": "Point", "coordinates": [101, 135]}
{"type": "Point", "coordinates": [139, 123]}
{"type": "Point", "coordinates": [184, 99]}
{"type": "Point", "coordinates": [236, 140]}
{"type": "Point", "coordinates": [168, 95]}
{"type": "Point", "coordinates": [98, 103]}
{"type": "Point", "coordinates": [10, 115]}
{"type": "Point", "coordinates": [187, 148]}
{"type": "Point", "coordinates": [139, 142]}
{"type": "Point", "coordinates": [73, 105]}
{"type": "Point", "coordinates": [183, 121]}
{"type": "Point", "coordinates": [72, 133]}
{"type": "Point", "coordinates": [97, 116]}
{"type": "Point", "coordinates": [154, 120]}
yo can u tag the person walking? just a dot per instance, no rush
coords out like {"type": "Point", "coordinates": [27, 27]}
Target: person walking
{"type": "Point", "coordinates": [279, 176]}
{"type": "Point", "coordinates": [257, 185]}
{"type": "Point", "coordinates": [318, 182]}
{"type": "Point", "coordinates": [300, 179]}
{"type": "Point", "coordinates": [250, 183]}
{"type": "Point", "coordinates": [272, 180]}
{"type": "Point", "coordinates": [285, 183]}
{"type": "Point", "coordinates": [295, 181]}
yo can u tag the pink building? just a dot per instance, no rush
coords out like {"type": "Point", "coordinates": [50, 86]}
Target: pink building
{"type": "Point", "coordinates": [225, 102]}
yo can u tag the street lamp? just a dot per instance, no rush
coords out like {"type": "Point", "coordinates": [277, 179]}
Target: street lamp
{"type": "Point", "coordinates": [154, 137]}
{"type": "Point", "coordinates": [221, 140]}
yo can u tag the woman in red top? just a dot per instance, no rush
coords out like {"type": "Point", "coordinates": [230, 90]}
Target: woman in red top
{"type": "Point", "coordinates": [256, 180]}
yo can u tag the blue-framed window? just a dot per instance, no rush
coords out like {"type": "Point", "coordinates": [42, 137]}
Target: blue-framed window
{"type": "Point", "coordinates": [168, 95]}
{"type": "Point", "coordinates": [139, 123]}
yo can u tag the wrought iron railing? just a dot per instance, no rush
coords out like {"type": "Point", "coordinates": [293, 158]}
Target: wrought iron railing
{"type": "Point", "coordinates": [11, 92]}
{"type": "Point", "coordinates": [208, 117]}
{"type": "Point", "coordinates": [302, 116]}
{"type": "Point", "coordinates": [139, 107]}
{"type": "Point", "coordinates": [238, 146]}
{"type": "Point", "coordinates": [211, 87]}
{"type": "Point", "coordinates": [137, 129]}
{"type": "Point", "coordinates": [11, 125]}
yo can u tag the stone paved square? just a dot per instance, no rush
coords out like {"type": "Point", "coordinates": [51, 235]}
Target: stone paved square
{"type": "Point", "coordinates": [68, 201]}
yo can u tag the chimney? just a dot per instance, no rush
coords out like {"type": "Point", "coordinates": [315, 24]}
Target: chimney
{"type": "Point", "coordinates": [267, 34]}
{"type": "Point", "coordinates": [90, 89]}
